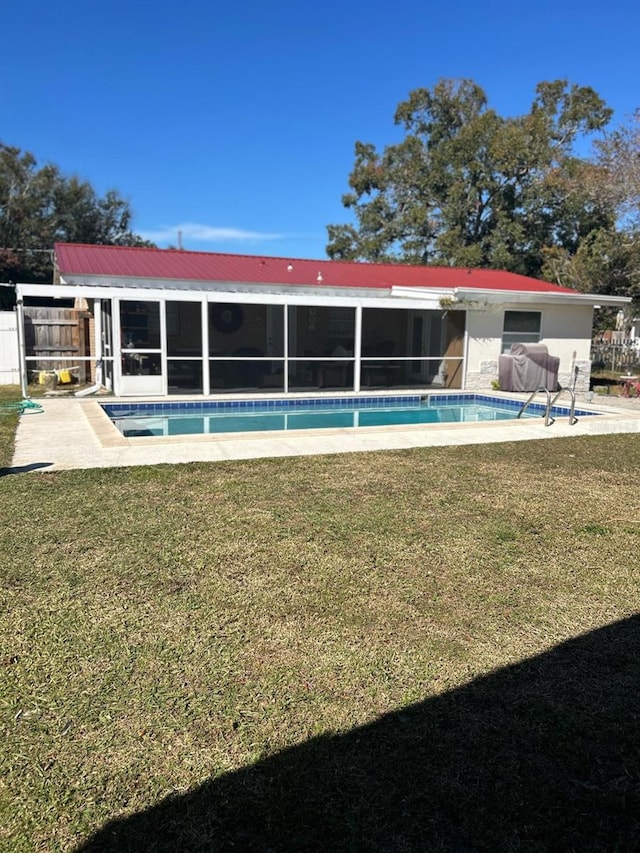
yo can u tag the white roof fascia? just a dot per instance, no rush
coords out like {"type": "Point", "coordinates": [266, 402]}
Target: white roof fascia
{"type": "Point", "coordinates": [496, 296]}
{"type": "Point", "coordinates": [104, 287]}
{"type": "Point", "coordinates": [290, 295]}
{"type": "Point", "coordinates": [435, 294]}
{"type": "Point", "coordinates": [487, 296]}
{"type": "Point", "coordinates": [63, 291]}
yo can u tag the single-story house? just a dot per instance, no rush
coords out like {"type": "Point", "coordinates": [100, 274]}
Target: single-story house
{"type": "Point", "coordinates": [169, 321]}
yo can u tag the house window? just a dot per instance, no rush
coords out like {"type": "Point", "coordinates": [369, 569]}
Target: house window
{"type": "Point", "coordinates": [520, 327]}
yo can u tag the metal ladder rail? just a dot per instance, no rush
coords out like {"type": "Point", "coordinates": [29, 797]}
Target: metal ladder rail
{"type": "Point", "coordinates": [548, 420]}
{"type": "Point", "coordinates": [572, 411]}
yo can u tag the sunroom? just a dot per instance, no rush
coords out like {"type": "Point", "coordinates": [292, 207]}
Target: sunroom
{"type": "Point", "coordinates": [198, 345]}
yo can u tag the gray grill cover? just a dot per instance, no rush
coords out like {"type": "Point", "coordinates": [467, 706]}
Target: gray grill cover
{"type": "Point", "coordinates": [528, 367]}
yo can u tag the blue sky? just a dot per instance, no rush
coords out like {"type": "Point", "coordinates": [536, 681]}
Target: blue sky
{"type": "Point", "coordinates": [235, 123]}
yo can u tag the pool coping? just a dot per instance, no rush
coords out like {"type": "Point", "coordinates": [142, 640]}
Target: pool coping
{"type": "Point", "coordinates": [109, 436]}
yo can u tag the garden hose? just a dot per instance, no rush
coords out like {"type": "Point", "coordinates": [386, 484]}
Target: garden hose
{"type": "Point", "coordinates": [22, 407]}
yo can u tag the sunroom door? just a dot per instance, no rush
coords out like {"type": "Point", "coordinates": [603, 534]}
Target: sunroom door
{"type": "Point", "coordinates": [140, 348]}
{"type": "Point", "coordinates": [106, 324]}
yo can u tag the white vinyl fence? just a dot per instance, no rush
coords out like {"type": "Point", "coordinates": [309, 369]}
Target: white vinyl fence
{"type": "Point", "coordinates": [9, 358]}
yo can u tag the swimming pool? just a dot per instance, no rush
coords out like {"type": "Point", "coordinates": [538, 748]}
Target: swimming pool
{"type": "Point", "coordinates": [134, 420]}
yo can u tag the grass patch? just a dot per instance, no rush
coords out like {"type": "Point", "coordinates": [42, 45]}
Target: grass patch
{"type": "Point", "coordinates": [347, 652]}
{"type": "Point", "coordinates": [9, 395]}
{"type": "Point", "coordinates": [8, 423]}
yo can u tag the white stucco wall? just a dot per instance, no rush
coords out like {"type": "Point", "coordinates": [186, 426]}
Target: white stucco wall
{"type": "Point", "coordinates": [565, 329]}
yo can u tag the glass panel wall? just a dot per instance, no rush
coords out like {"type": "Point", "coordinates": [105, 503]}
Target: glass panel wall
{"type": "Point", "coordinates": [140, 325]}
{"type": "Point", "coordinates": [403, 348]}
{"type": "Point", "coordinates": [141, 364]}
{"type": "Point", "coordinates": [184, 329]}
{"type": "Point", "coordinates": [246, 347]}
{"type": "Point", "coordinates": [184, 377]}
{"type": "Point", "coordinates": [184, 347]}
{"type": "Point", "coordinates": [386, 340]}
{"type": "Point", "coordinates": [246, 375]}
{"type": "Point", "coordinates": [140, 338]}
{"type": "Point", "coordinates": [321, 341]}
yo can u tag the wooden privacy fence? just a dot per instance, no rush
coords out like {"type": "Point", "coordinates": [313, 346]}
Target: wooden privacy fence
{"type": "Point", "coordinates": [57, 336]}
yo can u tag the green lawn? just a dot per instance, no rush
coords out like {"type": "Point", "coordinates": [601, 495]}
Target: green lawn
{"type": "Point", "coordinates": [221, 642]}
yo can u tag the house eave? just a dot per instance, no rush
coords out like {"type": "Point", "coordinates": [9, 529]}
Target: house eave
{"type": "Point", "coordinates": [101, 287]}
{"type": "Point", "coordinates": [476, 295]}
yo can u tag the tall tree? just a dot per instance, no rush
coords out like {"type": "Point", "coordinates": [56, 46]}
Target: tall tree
{"type": "Point", "coordinates": [607, 260]}
{"type": "Point", "coordinates": [40, 206]}
{"type": "Point", "coordinates": [468, 187]}
{"type": "Point", "coordinates": [617, 173]}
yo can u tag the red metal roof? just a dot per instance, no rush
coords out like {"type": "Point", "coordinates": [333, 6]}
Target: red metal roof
{"type": "Point", "coordinates": [124, 261]}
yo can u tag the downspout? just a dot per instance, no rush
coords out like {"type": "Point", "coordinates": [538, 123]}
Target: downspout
{"type": "Point", "coordinates": [97, 314]}
{"type": "Point", "coordinates": [24, 380]}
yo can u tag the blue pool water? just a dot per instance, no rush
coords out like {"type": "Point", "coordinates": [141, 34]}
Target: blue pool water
{"type": "Point", "coordinates": [241, 416]}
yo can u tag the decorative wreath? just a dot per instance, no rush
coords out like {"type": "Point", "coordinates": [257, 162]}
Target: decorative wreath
{"type": "Point", "coordinates": [227, 317]}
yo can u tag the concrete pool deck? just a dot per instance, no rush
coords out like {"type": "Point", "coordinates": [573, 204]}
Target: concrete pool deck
{"type": "Point", "coordinates": [75, 433]}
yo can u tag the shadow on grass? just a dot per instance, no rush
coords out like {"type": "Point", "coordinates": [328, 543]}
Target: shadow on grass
{"type": "Point", "coordinates": [542, 755]}
{"type": "Point", "coordinates": [24, 469]}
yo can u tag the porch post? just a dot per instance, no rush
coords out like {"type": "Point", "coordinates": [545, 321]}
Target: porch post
{"type": "Point", "coordinates": [97, 333]}
{"type": "Point", "coordinates": [204, 319]}
{"type": "Point", "coordinates": [285, 386]}
{"type": "Point", "coordinates": [357, 349]}
{"type": "Point", "coordinates": [465, 352]}
{"type": "Point", "coordinates": [24, 379]}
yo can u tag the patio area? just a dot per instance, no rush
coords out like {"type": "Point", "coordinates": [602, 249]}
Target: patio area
{"type": "Point", "coordinates": [74, 433]}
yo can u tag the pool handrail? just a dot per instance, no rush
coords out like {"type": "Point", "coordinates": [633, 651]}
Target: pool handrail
{"type": "Point", "coordinates": [572, 411]}
{"type": "Point", "coordinates": [548, 420]}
